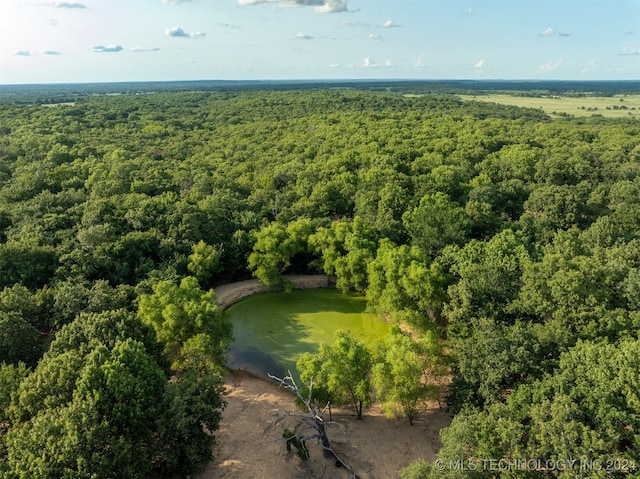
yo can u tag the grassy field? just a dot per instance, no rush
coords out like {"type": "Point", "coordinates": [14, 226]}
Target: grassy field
{"type": "Point", "coordinates": [272, 330]}
{"type": "Point", "coordinates": [619, 106]}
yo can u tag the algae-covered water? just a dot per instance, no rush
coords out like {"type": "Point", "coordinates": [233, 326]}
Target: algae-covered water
{"type": "Point", "coordinates": [272, 330]}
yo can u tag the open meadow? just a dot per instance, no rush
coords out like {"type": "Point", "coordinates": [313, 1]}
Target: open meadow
{"type": "Point", "coordinates": [618, 106]}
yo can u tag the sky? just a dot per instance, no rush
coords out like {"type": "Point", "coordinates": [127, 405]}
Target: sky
{"type": "Point", "coordinates": [84, 41]}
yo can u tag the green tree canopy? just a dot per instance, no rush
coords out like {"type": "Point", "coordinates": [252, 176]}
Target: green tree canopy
{"type": "Point", "coordinates": [19, 341]}
{"type": "Point", "coordinates": [404, 373]}
{"type": "Point", "coordinates": [180, 312]}
{"type": "Point", "coordinates": [342, 370]}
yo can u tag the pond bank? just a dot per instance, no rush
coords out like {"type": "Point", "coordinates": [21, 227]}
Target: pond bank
{"type": "Point", "coordinates": [231, 293]}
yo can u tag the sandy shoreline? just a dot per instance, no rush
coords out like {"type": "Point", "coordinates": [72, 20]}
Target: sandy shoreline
{"type": "Point", "coordinates": [233, 292]}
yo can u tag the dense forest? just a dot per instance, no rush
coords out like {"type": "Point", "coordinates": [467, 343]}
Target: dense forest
{"type": "Point", "coordinates": [511, 237]}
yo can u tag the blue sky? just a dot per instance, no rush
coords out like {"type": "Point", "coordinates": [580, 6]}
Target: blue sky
{"type": "Point", "coordinates": [45, 41]}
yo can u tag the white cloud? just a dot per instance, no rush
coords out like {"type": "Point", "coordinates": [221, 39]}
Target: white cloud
{"type": "Point", "coordinates": [420, 61]}
{"type": "Point", "coordinates": [390, 24]}
{"type": "Point", "coordinates": [388, 63]}
{"type": "Point", "coordinates": [332, 6]}
{"type": "Point", "coordinates": [107, 48]}
{"type": "Point", "coordinates": [22, 53]}
{"type": "Point", "coordinates": [175, 32]}
{"type": "Point", "coordinates": [590, 66]}
{"type": "Point", "coordinates": [144, 49]}
{"type": "Point", "coordinates": [51, 52]}
{"type": "Point", "coordinates": [373, 36]}
{"type": "Point", "coordinates": [178, 32]}
{"type": "Point", "coordinates": [253, 2]}
{"type": "Point", "coordinates": [368, 63]}
{"type": "Point", "coordinates": [302, 36]}
{"type": "Point", "coordinates": [550, 66]}
{"type": "Point", "coordinates": [68, 5]}
{"type": "Point", "coordinates": [321, 6]}
{"type": "Point", "coordinates": [630, 49]}
{"type": "Point", "coordinates": [471, 11]}
{"type": "Point", "coordinates": [479, 64]}
{"type": "Point", "coordinates": [547, 33]}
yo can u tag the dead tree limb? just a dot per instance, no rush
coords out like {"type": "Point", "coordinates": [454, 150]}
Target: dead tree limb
{"type": "Point", "coordinates": [314, 419]}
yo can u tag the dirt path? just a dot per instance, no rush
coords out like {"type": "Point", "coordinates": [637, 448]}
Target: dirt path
{"type": "Point", "coordinates": [250, 443]}
{"type": "Point", "coordinates": [234, 292]}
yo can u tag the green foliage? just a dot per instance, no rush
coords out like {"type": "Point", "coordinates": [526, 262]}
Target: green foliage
{"type": "Point", "coordinates": [402, 280]}
{"type": "Point", "coordinates": [341, 371]}
{"type": "Point", "coordinates": [74, 296]}
{"type": "Point", "coordinates": [346, 248]}
{"type": "Point", "coordinates": [90, 330]}
{"type": "Point", "coordinates": [27, 263]}
{"type": "Point", "coordinates": [586, 409]}
{"type": "Point", "coordinates": [276, 247]}
{"type": "Point", "coordinates": [92, 407]}
{"type": "Point", "coordinates": [33, 307]}
{"type": "Point", "coordinates": [404, 372]}
{"type": "Point", "coordinates": [204, 262]}
{"type": "Point", "coordinates": [292, 440]}
{"type": "Point", "coordinates": [19, 341]}
{"type": "Point", "coordinates": [489, 273]}
{"type": "Point", "coordinates": [102, 425]}
{"type": "Point", "coordinates": [10, 377]}
{"type": "Point", "coordinates": [436, 222]}
{"type": "Point", "coordinates": [419, 469]}
{"type": "Point", "coordinates": [192, 408]}
{"type": "Point", "coordinates": [180, 312]}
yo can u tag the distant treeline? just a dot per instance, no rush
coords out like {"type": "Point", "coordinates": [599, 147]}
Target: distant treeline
{"type": "Point", "coordinates": [68, 92]}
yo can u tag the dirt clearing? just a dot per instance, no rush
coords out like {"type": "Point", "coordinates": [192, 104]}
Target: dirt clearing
{"type": "Point", "coordinates": [250, 444]}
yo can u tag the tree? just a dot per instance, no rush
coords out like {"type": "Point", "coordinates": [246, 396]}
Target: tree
{"type": "Point", "coordinates": [10, 377]}
{"type": "Point", "coordinates": [586, 409]}
{"type": "Point", "coordinates": [402, 280]}
{"type": "Point", "coordinates": [275, 248]}
{"type": "Point", "coordinates": [35, 308]}
{"type": "Point", "coordinates": [310, 367]}
{"type": "Point", "coordinates": [312, 425]}
{"type": "Point", "coordinates": [179, 312]}
{"type": "Point", "coordinates": [105, 426]}
{"type": "Point", "coordinates": [489, 273]}
{"type": "Point", "coordinates": [27, 263]}
{"type": "Point", "coordinates": [205, 261]}
{"type": "Point", "coordinates": [341, 369]}
{"type": "Point", "coordinates": [106, 328]}
{"type": "Point", "coordinates": [110, 408]}
{"type": "Point", "coordinates": [192, 409]}
{"type": "Point", "coordinates": [436, 222]}
{"type": "Point", "coordinates": [403, 373]}
{"type": "Point", "coordinates": [19, 341]}
{"type": "Point", "coordinates": [345, 248]}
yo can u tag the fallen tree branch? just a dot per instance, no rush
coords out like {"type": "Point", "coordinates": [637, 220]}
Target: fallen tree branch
{"type": "Point", "coordinates": [314, 419]}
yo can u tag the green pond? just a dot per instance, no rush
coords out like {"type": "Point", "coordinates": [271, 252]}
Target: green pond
{"type": "Point", "coordinates": [272, 330]}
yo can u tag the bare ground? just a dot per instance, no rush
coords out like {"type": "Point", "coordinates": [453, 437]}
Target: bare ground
{"type": "Point", "coordinates": [250, 443]}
